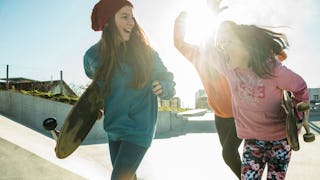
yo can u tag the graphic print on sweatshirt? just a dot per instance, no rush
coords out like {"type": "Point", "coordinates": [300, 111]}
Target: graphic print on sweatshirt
{"type": "Point", "coordinates": [250, 88]}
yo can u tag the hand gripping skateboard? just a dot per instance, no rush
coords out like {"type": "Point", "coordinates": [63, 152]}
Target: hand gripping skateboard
{"type": "Point", "coordinates": [294, 122]}
{"type": "Point", "coordinates": [78, 123]}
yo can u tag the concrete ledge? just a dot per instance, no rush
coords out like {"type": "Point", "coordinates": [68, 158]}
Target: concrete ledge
{"type": "Point", "coordinates": [31, 111]}
{"type": "Point", "coordinates": [169, 121]}
{"type": "Point", "coordinates": [314, 113]}
{"type": "Point", "coordinates": [194, 112]}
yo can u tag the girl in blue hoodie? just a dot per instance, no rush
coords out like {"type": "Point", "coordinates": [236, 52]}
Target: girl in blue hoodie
{"type": "Point", "coordinates": [131, 75]}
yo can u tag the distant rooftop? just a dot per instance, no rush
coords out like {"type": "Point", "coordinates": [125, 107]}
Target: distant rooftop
{"type": "Point", "coordinates": [53, 86]}
{"type": "Point", "coordinates": [17, 80]}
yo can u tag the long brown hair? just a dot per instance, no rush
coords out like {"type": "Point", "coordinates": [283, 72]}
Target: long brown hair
{"type": "Point", "coordinates": [262, 45]}
{"type": "Point", "coordinates": [137, 53]}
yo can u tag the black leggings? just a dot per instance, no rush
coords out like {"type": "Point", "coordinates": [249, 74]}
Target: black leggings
{"type": "Point", "coordinates": [230, 143]}
{"type": "Point", "coordinates": [126, 158]}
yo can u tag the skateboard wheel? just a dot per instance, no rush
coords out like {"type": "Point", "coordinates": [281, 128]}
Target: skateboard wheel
{"type": "Point", "coordinates": [302, 106]}
{"type": "Point", "coordinates": [50, 124]}
{"type": "Point", "coordinates": [309, 137]}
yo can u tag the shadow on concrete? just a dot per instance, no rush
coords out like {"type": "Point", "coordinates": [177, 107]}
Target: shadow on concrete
{"type": "Point", "coordinates": [314, 121]}
{"type": "Point", "coordinates": [314, 126]}
{"type": "Point", "coordinates": [193, 126]}
{"type": "Point", "coordinates": [205, 126]}
{"type": "Point", "coordinates": [314, 117]}
{"type": "Point", "coordinates": [199, 126]}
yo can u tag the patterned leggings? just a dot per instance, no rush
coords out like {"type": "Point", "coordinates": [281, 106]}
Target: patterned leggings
{"type": "Point", "coordinates": [257, 153]}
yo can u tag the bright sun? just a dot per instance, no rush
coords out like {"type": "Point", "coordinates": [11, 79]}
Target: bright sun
{"type": "Point", "coordinates": [200, 24]}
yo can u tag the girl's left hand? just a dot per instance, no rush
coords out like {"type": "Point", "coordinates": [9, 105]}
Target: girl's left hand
{"type": "Point", "coordinates": [157, 88]}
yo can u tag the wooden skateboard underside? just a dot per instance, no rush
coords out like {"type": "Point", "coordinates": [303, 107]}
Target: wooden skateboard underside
{"type": "Point", "coordinates": [78, 123]}
{"type": "Point", "coordinates": [294, 122]}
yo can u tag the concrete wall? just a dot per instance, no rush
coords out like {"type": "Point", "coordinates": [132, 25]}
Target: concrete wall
{"type": "Point", "coordinates": [31, 111]}
{"type": "Point", "coordinates": [168, 121]}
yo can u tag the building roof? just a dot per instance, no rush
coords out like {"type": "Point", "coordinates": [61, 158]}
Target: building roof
{"type": "Point", "coordinates": [20, 83]}
{"type": "Point", "coordinates": [17, 80]}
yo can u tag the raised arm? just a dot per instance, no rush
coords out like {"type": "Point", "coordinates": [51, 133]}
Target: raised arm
{"type": "Point", "coordinates": [187, 50]}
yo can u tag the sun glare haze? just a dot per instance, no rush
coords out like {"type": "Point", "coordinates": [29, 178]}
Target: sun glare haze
{"type": "Point", "coordinates": [200, 23]}
{"type": "Point", "coordinates": [57, 34]}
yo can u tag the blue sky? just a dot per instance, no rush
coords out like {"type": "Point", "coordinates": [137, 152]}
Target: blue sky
{"type": "Point", "coordinates": [39, 38]}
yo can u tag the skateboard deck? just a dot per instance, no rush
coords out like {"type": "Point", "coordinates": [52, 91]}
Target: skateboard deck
{"type": "Point", "coordinates": [294, 121]}
{"type": "Point", "coordinates": [78, 122]}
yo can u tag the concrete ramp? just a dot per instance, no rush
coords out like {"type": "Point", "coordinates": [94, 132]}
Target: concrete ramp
{"type": "Point", "coordinates": [25, 148]}
{"type": "Point", "coordinates": [194, 112]}
{"type": "Point", "coordinates": [18, 163]}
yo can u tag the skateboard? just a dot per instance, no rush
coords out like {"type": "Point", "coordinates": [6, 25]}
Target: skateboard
{"type": "Point", "coordinates": [296, 116]}
{"type": "Point", "coordinates": [78, 122]}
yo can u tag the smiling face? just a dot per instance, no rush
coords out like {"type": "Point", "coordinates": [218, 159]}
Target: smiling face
{"type": "Point", "coordinates": [232, 46]}
{"type": "Point", "coordinates": [124, 22]}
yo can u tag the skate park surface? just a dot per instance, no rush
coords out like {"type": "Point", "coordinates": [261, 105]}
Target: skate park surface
{"type": "Point", "coordinates": [190, 152]}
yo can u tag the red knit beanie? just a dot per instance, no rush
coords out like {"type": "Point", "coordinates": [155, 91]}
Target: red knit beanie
{"type": "Point", "coordinates": [104, 10]}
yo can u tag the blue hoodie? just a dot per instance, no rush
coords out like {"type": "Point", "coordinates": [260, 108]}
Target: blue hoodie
{"type": "Point", "coordinates": [130, 114]}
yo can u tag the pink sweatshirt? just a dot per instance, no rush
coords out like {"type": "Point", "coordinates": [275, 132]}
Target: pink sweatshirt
{"type": "Point", "coordinates": [256, 101]}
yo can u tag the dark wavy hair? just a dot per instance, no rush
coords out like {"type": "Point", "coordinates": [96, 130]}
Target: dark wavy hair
{"type": "Point", "coordinates": [137, 53]}
{"type": "Point", "coordinates": [262, 45]}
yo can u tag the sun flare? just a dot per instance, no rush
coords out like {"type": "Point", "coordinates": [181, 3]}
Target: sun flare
{"type": "Point", "coordinates": [200, 23]}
